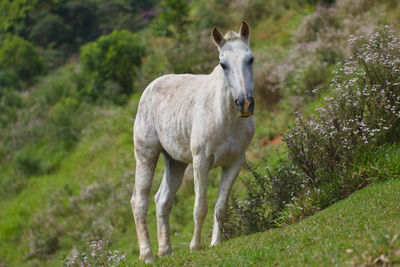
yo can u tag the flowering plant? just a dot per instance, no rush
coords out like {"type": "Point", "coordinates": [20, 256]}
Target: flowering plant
{"type": "Point", "coordinates": [97, 255]}
{"type": "Point", "coordinates": [363, 111]}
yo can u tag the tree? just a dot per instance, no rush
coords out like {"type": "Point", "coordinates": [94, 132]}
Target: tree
{"type": "Point", "coordinates": [114, 58]}
{"type": "Point", "coordinates": [173, 18]}
{"type": "Point", "coordinates": [21, 56]}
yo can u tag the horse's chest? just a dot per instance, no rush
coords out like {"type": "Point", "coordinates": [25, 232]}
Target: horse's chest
{"type": "Point", "coordinates": [222, 145]}
{"type": "Point", "coordinates": [229, 149]}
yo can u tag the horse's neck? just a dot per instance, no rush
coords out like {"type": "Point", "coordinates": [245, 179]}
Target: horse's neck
{"type": "Point", "coordinates": [223, 105]}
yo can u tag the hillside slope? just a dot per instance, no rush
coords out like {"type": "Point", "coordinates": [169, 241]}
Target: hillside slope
{"type": "Point", "coordinates": [363, 228]}
{"type": "Point", "coordinates": [67, 165]}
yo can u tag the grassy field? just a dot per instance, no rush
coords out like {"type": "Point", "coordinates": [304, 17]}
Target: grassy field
{"type": "Point", "coordinates": [363, 228]}
{"type": "Point", "coordinates": [102, 162]}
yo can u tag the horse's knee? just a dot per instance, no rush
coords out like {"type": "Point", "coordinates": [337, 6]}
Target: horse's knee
{"type": "Point", "coordinates": [220, 210]}
{"type": "Point", "coordinates": [133, 201]}
{"type": "Point", "coordinates": [163, 204]}
{"type": "Point", "coordinates": [139, 205]}
{"type": "Point", "coordinates": [200, 210]}
{"type": "Point", "coordinates": [220, 215]}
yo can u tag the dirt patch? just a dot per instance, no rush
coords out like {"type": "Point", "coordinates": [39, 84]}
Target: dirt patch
{"type": "Point", "coordinates": [276, 140]}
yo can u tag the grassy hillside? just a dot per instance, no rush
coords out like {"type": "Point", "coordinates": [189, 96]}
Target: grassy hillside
{"type": "Point", "coordinates": [66, 151]}
{"type": "Point", "coordinates": [362, 229]}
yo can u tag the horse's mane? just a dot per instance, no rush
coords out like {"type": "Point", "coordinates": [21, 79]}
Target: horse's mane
{"type": "Point", "coordinates": [231, 35]}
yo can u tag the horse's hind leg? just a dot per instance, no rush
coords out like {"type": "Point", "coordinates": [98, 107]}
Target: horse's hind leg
{"type": "Point", "coordinates": [146, 161]}
{"type": "Point", "coordinates": [164, 198]}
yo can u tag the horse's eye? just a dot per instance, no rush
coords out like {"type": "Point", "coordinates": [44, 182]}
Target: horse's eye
{"type": "Point", "coordinates": [251, 60]}
{"type": "Point", "coordinates": [224, 66]}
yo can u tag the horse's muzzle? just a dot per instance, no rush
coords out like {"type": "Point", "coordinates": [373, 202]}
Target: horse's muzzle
{"type": "Point", "coordinates": [245, 115]}
{"type": "Point", "coordinates": [247, 107]}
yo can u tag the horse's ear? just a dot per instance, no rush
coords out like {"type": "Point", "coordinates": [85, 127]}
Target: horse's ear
{"type": "Point", "coordinates": [245, 31]}
{"type": "Point", "coordinates": [217, 36]}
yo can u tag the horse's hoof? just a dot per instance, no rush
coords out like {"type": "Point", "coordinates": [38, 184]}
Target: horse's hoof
{"type": "Point", "coordinates": [196, 246]}
{"type": "Point", "coordinates": [147, 259]}
{"type": "Point", "coordinates": [214, 243]}
{"type": "Point", "coordinates": [164, 251]}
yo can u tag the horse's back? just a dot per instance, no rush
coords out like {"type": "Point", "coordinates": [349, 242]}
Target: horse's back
{"type": "Point", "coordinates": [165, 112]}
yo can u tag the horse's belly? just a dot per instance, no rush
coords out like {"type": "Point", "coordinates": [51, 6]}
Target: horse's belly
{"type": "Point", "coordinates": [174, 127]}
{"type": "Point", "coordinates": [175, 141]}
{"type": "Point", "coordinates": [178, 149]}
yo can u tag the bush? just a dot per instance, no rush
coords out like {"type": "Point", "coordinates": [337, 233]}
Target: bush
{"type": "Point", "coordinates": [51, 30]}
{"type": "Point", "coordinates": [8, 79]}
{"type": "Point", "coordinates": [114, 57]}
{"type": "Point", "coordinates": [28, 161]}
{"type": "Point", "coordinates": [172, 19]}
{"type": "Point", "coordinates": [268, 192]}
{"type": "Point", "coordinates": [60, 84]}
{"type": "Point", "coordinates": [97, 254]}
{"type": "Point", "coordinates": [10, 102]}
{"type": "Point", "coordinates": [21, 56]}
{"type": "Point", "coordinates": [251, 214]}
{"type": "Point", "coordinates": [67, 221]}
{"type": "Point", "coordinates": [64, 127]}
{"type": "Point", "coordinates": [364, 111]}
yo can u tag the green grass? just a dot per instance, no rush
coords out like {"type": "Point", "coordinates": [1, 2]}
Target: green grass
{"type": "Point", "coordinates": [104, 155]}
{"type": "Point", "coordinates": [103, 152]}
{"type": "Point", "coordinates": [366, 223]}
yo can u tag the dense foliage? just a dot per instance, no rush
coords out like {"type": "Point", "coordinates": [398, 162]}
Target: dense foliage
{"type": "Point", "coordinates": [71, 23]}
{"type": "Point", "coordinates": [363, 111]}
{"type": "Point", "coordinates": [111, 62]}
{"type": "Point", "coordinates": [20, 56]}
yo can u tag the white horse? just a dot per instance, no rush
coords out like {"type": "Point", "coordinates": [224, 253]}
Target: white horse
{"type": "Point", "coordinates": [205, 120]}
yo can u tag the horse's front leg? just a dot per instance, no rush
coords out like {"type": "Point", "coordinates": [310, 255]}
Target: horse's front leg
{"type": "Point", "coordinates": [201, 167]}
{"type": "Point", "coordinates": [228, 177]}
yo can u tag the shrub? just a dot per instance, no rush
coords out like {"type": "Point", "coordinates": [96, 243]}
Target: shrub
{"type": "Point", "coordinates": [363, 111]}
{"type": "Point", "coordinates": [97, 253]}
{"type": "Point", "coordinates": [67, 221]}
{"type": "Point", "coordinates": [114, 57]}
{"type": "Point", "coordinates": [10, 102]}
{"type": "Point", "coordinates": [28, 162]}
{"type": "Point", "coordinates": [184, 57]}
{"type": "Point", "coordinates": [52, 30]}
{"type": "Point", "coordinates": [251, 214]}
{"type": "Point", "coordinates": [21, 56]}
{"type": "Point", "coordinates": [8, 79]}
{"type": "Point", "coordinates": [63, 123]}
{"type": "Point", "coordinates": [267, 193]}
{"type": "Point", "coordinates": [172, 19]}
{"type": "Point", "coordinates": [39, 158]}
{"type": "Point", "coordinates": [60, 84]}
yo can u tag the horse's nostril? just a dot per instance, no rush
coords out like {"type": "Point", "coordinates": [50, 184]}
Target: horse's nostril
{"type": "Point", "coordinates": [237, 102]}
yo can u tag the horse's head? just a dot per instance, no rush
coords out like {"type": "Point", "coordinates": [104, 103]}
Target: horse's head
{"type": "Point", "coordinates": [236, 61]}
